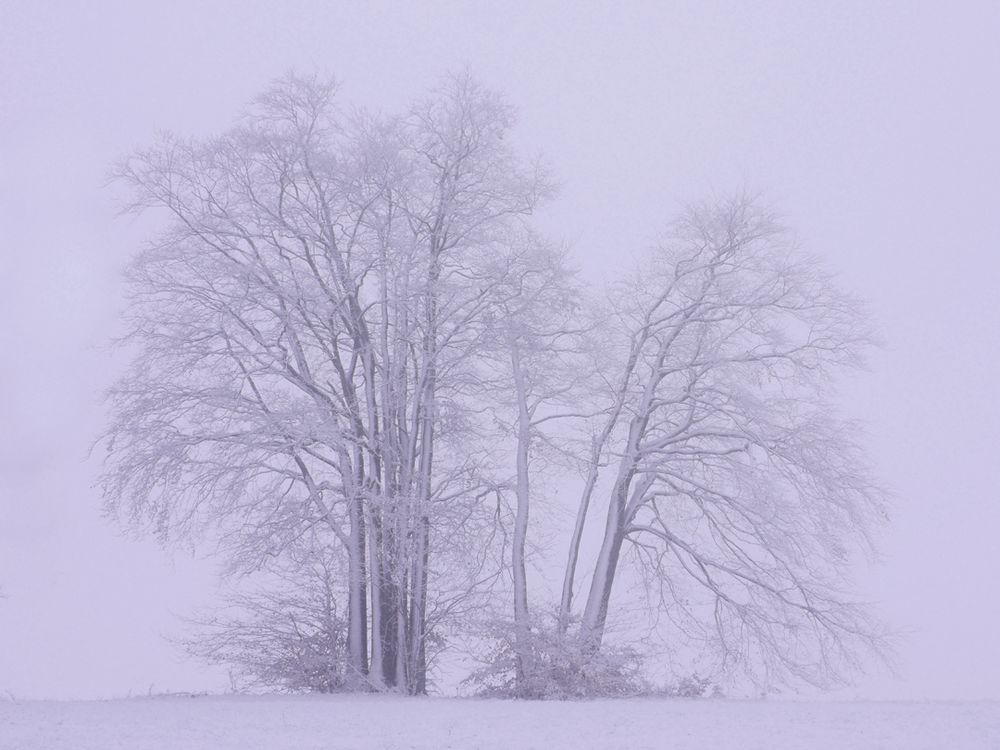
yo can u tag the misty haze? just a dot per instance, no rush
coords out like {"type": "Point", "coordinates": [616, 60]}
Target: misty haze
{"type": "Point", "coordinates": [540, 376]}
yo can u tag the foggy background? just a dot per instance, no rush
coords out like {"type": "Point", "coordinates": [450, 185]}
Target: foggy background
{"type": "Point", "coordinates": [873, 128]}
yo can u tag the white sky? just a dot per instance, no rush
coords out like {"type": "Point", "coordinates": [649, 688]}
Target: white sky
{"type": "Point", "coordinates": [873, 127]}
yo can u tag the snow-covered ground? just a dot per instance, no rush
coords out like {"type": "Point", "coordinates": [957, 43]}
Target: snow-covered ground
{"type": "Point", "coordinates": [363, 722]}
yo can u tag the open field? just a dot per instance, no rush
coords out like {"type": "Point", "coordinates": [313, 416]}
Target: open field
{"type": "Point", "coordinates": [363, 722]}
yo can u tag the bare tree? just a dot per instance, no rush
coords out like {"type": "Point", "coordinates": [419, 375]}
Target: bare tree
{"type": "Point", "coordinates": [244, 310]}
{"type": "Point", "coordinates": [537, 374]}
{"type": "Point", "coordinates": [731, 472]}
{"type": "Point", "coordinates": [304, 329]}
{"type": "Point", "coordinates": [340, 309]}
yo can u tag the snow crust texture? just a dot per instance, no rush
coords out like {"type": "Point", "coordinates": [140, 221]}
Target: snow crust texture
{"type": "Point", "coordinates": [386, 723]}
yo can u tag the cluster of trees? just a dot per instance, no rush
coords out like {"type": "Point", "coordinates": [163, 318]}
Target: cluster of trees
{"type": "Point", "coordinates": [359, 367]}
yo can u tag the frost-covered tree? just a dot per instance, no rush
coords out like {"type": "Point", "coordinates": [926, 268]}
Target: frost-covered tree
{"type": "Point", "coordinates": [304, 327]}
{"type": "Point", "coordinates": [730, 476]}
{"type": "Point", "coordinates": [538, 373]}
{"type": "Point", "coordinates": [348, 331]}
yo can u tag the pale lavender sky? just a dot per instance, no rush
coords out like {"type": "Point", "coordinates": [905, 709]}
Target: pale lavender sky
{"type": "Point", "coordinates": [872, 126]}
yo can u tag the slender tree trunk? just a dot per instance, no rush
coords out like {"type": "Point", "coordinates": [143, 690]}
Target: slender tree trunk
{"type": "Point", "coordinates": [566, 602]}
{"type": "Point", "coordinates": [377, 671]}
{"type": "Point", "coordinates": [418, 610]}
{"type": "Point", "coordinates": [357, 635]}
{"type": "Point", "coordinates": [522, 624]}
{"type": "Point", "coordinates": [596, 612]}
{"type": "Point", "coordinates": [420, 549]}
{"type": "Point", "coordinates": [385, 587]}
{"type": "Point", "coordinates": [402, 634]}
{"type": "Point", "coordinates": [597, 448]}
{"type": "Point", "coordinates": [620, 514]}
{"type": "Point", "coordinates": [389, 634]}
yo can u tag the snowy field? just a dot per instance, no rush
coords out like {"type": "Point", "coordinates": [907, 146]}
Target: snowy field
{"type": "Point", "coordinates": [360, 723]}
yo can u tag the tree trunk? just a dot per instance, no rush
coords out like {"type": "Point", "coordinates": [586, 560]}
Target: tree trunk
{"type": "Point", "coordinates": [357, 620]}
{"type": "Point", "coordinates": [388, 619]}
{"type": "Point", "coordinates": [566, 602]}
{"type": "Point", "coordinates": [522, 624]}
{"type": "Point", "coordinates": [596, 612]}
{"type": "Point", "coordinates": [376, 673]}
{"type": "Point", "coordinates": [418, 611]}
{"type": "Point", "coordinates": [597, 448]}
